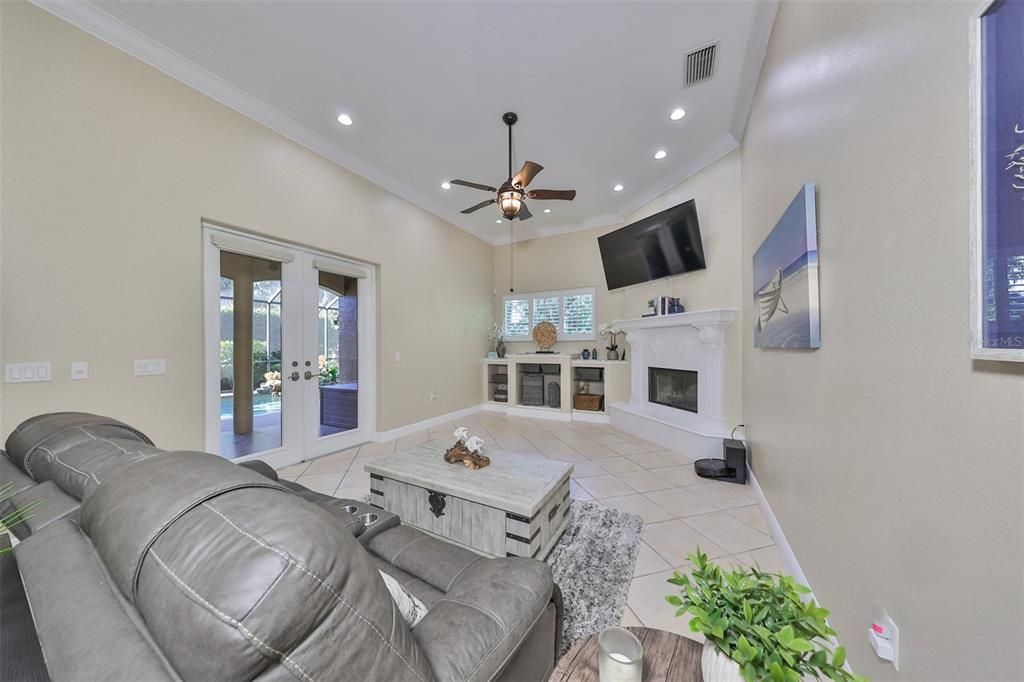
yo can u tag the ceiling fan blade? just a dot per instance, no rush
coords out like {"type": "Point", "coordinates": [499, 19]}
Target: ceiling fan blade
{"type": "Point", "coordinates": [564, 194]}
{"type": "Point", "coordinates": [480, 205]}
{"type": "Point", "coordinates": [474, 185]}
{"type": "Point", "coordinates": [524, 213]}
{"type": "Point", "coordinates": [527, 173]}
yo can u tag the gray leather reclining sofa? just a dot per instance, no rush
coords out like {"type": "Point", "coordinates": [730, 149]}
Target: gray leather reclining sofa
{"type": "Point", "coordinates": [149, 565]}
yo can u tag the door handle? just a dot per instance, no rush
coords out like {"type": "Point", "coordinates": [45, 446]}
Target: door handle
{"type": "Point", "coordinates": [309, 375]}
{"type": "Point", "coordinates": [294, 376]}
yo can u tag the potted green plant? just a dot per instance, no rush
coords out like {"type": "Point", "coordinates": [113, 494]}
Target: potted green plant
{"type": "Point", "coordinates": [757, 625]}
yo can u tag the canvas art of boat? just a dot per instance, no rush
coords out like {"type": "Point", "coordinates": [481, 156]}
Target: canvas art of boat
{"type": "Point", "coordinates": [769, 300]}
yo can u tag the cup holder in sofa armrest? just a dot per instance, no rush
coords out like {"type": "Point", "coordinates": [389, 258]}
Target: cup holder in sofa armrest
{"type": "Point", "coordinates": [369, 519]}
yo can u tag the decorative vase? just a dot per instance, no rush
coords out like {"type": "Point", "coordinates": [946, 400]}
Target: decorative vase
{"type": "Point", "coordinates": [593, 353]}
{"type": "Point", "coordinates": [500, 349]}
{"type": "Point", "coordinates": [586, 354]}
{"type": "Point", "coordinates": [613, 354]}
{"type": "Point", "coordinates": [717, 667]}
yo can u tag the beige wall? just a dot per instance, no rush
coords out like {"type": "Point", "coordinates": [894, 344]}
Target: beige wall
{"type": "Point", "coordinates": [572, 260]}
{"type": "Point", "coordinates": [108, 168]}
{"type": "Point", "coordinates": [892, 461]}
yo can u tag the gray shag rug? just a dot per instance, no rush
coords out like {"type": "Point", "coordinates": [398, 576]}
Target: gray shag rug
{"type": "Point", "coordinates": [593, 565]}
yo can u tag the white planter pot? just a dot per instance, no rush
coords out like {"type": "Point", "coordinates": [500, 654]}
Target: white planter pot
{"type": "Point", "coordinates": [717, 667]}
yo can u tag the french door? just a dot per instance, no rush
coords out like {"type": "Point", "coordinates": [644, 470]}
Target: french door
{"type": "Point", "coordinates": [290, 349]}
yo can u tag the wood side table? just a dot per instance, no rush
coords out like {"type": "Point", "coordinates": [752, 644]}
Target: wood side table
{"type": "Point", "coordinates": [667, 658]}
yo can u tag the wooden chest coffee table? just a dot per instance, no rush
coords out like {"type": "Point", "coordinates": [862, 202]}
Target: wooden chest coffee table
{"type": "Point", "coordinates": [517, 506]}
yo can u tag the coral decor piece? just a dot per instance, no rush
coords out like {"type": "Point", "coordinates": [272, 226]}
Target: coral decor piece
{"type": "Point", "coordinates": [545, 335]}
{"type": "Point", "coordinates": [467, 450]}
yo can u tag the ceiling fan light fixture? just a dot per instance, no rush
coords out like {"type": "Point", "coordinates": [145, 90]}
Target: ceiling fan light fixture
{"type": "Point", "coordinates": [510, 200]}
{"type": "Point", "coordinates": [446, 185]}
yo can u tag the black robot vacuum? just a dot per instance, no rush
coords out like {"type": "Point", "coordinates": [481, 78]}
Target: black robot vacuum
{"type": "Point", "coordinates": [733, 466]}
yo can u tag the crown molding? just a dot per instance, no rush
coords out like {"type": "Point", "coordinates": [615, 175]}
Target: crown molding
{"type": "Point", "coordinates": [102, 25]}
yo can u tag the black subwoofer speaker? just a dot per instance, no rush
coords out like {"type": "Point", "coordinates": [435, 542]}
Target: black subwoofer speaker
{"type": "Point", "coordinates": [733, 466]}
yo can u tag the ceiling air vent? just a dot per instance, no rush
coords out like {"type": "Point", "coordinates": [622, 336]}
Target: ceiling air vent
{"type": "Point", "coordinates": [700, 64]}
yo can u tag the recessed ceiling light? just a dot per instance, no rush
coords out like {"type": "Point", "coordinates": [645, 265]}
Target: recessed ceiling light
{"type": "Point", "coordinates": [547, 210]}
{"type": "Point", "coordinates": [498, 221]}
{"type": "Point", "coordinates": [344, 119]}
{"type": "Point", "coordinates": [446, 185]}
{"type": "Point", "coordinates": [677, 114]}
{"type": "Point", "coordinates": [660, 154]}
{"type": "Point", "coordinates": [618, 188]}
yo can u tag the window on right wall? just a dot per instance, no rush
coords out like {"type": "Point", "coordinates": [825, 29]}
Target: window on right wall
{"type": "Point", "coordinates": [570, 310]}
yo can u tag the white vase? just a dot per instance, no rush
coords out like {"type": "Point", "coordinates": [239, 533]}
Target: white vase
{"type": "Point", "coordinates": [717, 667]}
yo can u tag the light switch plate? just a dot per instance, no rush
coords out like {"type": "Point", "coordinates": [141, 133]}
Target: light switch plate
{"type": "Point", "coordinates": [27, 372]}
{"type": "Point", "coordinates": [79, 371]}
{"type": "Point", "coordinates": [148, 368]}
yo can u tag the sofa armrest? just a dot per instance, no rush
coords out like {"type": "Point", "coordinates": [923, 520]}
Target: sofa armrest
{"type": "Point", "coordinates": [474, 631]}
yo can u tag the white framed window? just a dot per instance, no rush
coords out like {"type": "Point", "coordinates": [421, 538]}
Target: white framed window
{"type": "Point", "coordinates": [571, 311]}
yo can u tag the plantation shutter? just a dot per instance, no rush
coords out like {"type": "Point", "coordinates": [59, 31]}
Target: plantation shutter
{"type": "Point", "coordinates": [579, 315]}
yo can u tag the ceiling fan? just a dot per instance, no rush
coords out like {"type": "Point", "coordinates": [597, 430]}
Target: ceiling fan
{"type": "Point", "coordinates": [511, 196]}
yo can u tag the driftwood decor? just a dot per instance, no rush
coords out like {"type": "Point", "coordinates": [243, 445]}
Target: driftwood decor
{"type": "Point", "coordinates": [467, 450]}
{"type": "Point", "coordinates": [459, 453]}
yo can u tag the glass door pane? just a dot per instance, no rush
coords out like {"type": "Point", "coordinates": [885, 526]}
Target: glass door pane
{"type": "Point", "coordinates": [251, 388]}
{"type": "Point", "coordinates": [337, 334]}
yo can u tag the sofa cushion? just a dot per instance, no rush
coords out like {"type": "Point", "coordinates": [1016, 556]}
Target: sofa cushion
{"type": "Point", "coordinates": [472, 632]}
{"type": "Point", "coordinates": [268, 583]}
{"type": "Point", "coordinates": [81, 466]}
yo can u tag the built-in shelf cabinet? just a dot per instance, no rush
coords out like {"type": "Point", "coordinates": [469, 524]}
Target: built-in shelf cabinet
{"type": "Point", "coordinates": [546, 386]}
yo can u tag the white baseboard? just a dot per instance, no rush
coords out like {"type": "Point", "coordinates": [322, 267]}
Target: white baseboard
{"type": "Point", "coordinates": [788, 557]}
{"type": "Point", "coordinates": [426, 423]}
{"type": "Point", "coordinates": [792, 566]}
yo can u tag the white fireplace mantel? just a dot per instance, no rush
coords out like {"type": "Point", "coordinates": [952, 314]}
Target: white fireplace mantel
{"type": "Point", "coordinates": [692, 341]}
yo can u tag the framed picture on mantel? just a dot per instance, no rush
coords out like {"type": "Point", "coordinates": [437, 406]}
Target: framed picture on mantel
{"type": "Point", "coordinates": [997, 182]}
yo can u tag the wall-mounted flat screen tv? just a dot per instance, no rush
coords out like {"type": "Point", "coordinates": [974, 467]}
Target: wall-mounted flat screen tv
{"type": "Point", "coordinates": [661, 245]}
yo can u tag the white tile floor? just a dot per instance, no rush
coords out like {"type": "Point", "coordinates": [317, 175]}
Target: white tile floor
{"type": "Point", "coordinates": [612, 468]}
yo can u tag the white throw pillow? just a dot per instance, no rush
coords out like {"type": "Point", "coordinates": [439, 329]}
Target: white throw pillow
{"type": "Point", "coordinates": [412, 609]}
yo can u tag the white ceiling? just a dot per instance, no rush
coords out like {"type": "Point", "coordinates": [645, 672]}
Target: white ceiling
{"type": "Point", "coordinates": [427, 82]}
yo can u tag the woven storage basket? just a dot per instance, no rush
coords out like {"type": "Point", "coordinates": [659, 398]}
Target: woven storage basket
{"type": "Point", "coordinates": [588, 401]}
{"type": "Point", "coordinates": [589, 374]}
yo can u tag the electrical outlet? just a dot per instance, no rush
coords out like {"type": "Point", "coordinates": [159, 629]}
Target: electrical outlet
{"type": "Point", "coordinates": [884, 636]}
{"type": "Point", "coordinates": [433, 397]}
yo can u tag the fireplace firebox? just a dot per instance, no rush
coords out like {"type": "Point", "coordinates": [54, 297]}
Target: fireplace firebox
{"type": "Point", "coordinates": [675, 388]}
